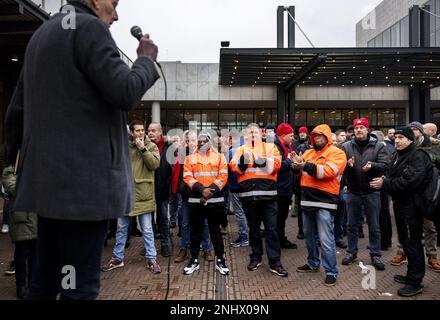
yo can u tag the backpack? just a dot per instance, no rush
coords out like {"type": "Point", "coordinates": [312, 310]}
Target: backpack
{"type": "Point", "coordinates": [429, 201]}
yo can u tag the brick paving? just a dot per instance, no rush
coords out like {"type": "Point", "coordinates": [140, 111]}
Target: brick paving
{"type": "Point", "coordinates": [135, 282]}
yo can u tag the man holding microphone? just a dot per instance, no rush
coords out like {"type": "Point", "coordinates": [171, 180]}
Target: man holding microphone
{"type": "Point", "coordinates": [68, 117]}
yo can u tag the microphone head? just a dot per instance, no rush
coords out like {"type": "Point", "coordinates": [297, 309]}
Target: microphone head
{"type": "Point", "coordinates": [136, 32]}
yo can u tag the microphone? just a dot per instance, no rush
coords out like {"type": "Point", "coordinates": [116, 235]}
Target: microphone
{"type": "Point", "coordinates": [136, 32]}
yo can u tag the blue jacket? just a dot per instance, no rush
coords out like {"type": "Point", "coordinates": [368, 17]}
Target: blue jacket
{"type": "Point", "coordinates": [232, 178]}
{"type": "Point", "coordinates": [285, 179]}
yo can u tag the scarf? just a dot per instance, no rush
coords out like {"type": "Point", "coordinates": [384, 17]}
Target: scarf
{"type": "Point", "coordinates": [160, 144]}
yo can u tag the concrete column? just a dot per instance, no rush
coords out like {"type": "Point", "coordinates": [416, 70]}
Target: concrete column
{"type": "Point", "coordinates": [155, 111]}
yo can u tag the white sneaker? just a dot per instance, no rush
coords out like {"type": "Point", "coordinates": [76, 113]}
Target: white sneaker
{"type": "Point", "coordinates": [191, 267]}
{"type": "Point", "coordinates": [5, 228]}
{"type": "Point", "coordinates": [221, 267]}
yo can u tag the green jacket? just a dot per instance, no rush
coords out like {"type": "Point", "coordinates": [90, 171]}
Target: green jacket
{"type": "Point", "coordinates": [22, 225]}
{"type": "Point", "coordinates": [143, 166]}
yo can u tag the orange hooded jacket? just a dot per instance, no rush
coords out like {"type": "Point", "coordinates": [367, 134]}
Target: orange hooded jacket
{"type": "Point", "coordinates": [322, 174]}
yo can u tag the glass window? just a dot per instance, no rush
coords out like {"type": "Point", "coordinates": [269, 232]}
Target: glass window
{"type": "Point", "coordinates": [315, 117]}
{"type": "Point", "coordinates": [370, 44]}
{"type": "Point", "coordinates": [435, 117]}
{"type": "Point", "coordinates": [348, 115]}
{"type": "Point", "coordinates": [300, 118]}
{"type": "Point", "coordinates": [370, 115]}
{"type": "Point", "coordinates": [136, 115]}
{"type": "Point", "coordinates": [400, 117]}
{"type": "Point", "coordinates": [228, 119]}
{"type": "Point", "coordinates": [378, 41]}
{"type": "Point", "coordinates": [262, 117]}
{"type": "Point", "coordinates": [385, 118]}
{"type": "Point", "coordinates": [387, 38]}
{"type": "Point", "coordinates": [395, 35]}
{"type": "Point", "coordinates": [210, 119]}
{"type": "Point", "coordinates": [404, 32]}
{"type": "Point", "coordinates": [174, 119]}
{"type": "Point", "coordinates": [274, 116]}
{"type": "Point", "coordinates": [244, 117]}
{"type": "Point", "coordinates": [333, 118]}
{"type": "Point", "coordinates": [192, 119]}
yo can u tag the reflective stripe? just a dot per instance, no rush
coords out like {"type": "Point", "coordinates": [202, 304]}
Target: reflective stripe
{"type": "Point", "coordinates": [258, 193]}
{"type": "Point", "coordinates": [261, 170]}
{"type": "Point", "coordinates": [187, 174]}
{"type": "Point", "coordinates": [334, 167]}
{"type": "Point", "coordinates": [238, 170]}
{"type": "Point", "coordinates": [319, 205]}
{"type": "Point", "coordinates": [212, 200]}
{"type": "Point", "coordinates": [320, 173]}
{"type": "Point", "coordinates": [206, 174]}
{"type": "Point", "coordinates": [223, 172]}
{"type": "Point", "coordinates": [219, 183]}
{"type": "Point", "coordinates": [192, 182]}
{"type": "Point", "coordinates": [270, 164]}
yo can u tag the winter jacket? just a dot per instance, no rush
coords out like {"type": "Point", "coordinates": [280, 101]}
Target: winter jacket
{"type": "Point", "coordinates": [162, 176]}
{"type": "Point", "coordinates": [358, 181]}
{"type": "Point", "coordinates": [68, 115]}
{"type": "Point", "coordinates": [322, 173]}
{"type": "Point", "coordinates": [206, 170]}
{"type": "Point", "coordinates": [285, 179]}
{"type": "Point", "coordinates": [257, 178]}
{"type": "Point", "coordinates": [143, 164]}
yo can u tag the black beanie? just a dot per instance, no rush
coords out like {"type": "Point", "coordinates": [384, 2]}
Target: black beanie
{"type": "Point", "coordinates": [405, 131]}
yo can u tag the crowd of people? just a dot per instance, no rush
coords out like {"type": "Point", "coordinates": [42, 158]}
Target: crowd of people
{"type": "Point", "coordinates": [73, 171]}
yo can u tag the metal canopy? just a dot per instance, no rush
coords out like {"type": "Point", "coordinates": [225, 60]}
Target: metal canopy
{"type": "Point", "coordinates": [18, 21]}
{"type": "Point", "coordinates": [330, 67]}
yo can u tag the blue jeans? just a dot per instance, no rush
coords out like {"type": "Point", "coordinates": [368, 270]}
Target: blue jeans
{"type": "Point", "coordinates": [371, 204]}
{"type": "Point", "coordinates": [163, 221]}
{"type": "Point", "coordinates": [147, 234]}
{"type": "Point", "coordinates": [243, 230]}
{"type": "Point", "coordinates": [320, 224]}
{"type": "Point", "coordinates": [185, 231]}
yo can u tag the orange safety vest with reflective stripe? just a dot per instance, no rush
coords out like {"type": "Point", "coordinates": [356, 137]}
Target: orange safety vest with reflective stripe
{"type": "Point", "coordinates": [257, 178]}
{"type": "Point", "coordinates": [322, 175]}
{"type": "Point", "coordinates": [206, 170]}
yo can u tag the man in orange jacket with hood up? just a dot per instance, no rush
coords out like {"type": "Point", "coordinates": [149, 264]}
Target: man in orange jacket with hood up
{"type": "Point", "coordinates": [322, 168]}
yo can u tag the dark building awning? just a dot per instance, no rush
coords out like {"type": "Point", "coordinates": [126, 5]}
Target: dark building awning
{"type": "Point", "coordinates": [331, 67]}
{"type": "Point", "coordinates": [18, 21]}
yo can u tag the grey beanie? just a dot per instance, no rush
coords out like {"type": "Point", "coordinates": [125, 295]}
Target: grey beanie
{"type": "Point", "coordinates": [417, 125]}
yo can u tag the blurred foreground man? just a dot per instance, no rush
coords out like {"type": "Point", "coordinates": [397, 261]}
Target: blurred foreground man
{"type": "Point", "coordinates": [75, 170]}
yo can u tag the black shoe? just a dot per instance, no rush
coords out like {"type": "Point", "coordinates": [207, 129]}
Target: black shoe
{"type": "Point", "coordinates": [377, 263]}
{"type": "Point", "coordinates": [127, 244]}
{"type": "Point", "coordinates": [410, 290]}
{"type": "Point", "coordinates": [288, 245]}
{"type": "Point", "coordinates": [306, 269]}
{"type": "Point", "coordinates": [341, 244]}
{"type": "Point", "coordinates": [330, 281]}
{"type": "Point", "coordinates": [254, 264]}
{"type": "Point", "coordinates": [279, 271]}
{"type": "Point", "coordinates": [400, 279]}
{"type": "Point", "coordinates": [21, 292]}
{"type": "Point", "coordinates": [165, 251]}
{"type": "Point", "coordinates": [361, 234]}
{"type": "Point", "coordinates": [172, 225]}
{"type": "Point", "coordinates": [300, 235]}
{"type": "Point", "coordinates": [349, 259]}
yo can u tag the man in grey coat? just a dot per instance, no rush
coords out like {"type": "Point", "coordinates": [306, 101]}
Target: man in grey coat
{"type": "Point", "coordinates": [68, 117]}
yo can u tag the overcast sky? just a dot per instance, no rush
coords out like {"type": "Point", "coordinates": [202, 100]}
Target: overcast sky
{"type": "Point", "coordinates": [191, 30]}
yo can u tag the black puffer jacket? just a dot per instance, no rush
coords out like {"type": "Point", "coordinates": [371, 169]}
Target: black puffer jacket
{"type": "Point", "coordinates": [358, 182]}
{"type": "Point", "coordinates": [409, 174]}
